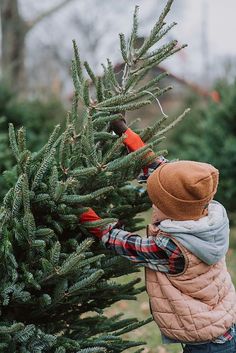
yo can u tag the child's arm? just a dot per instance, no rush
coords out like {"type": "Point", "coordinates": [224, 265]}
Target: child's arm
{"type": "Point", "coordinates": [134, 142]}
{"type": "Point", "coordinates": [159, 254]}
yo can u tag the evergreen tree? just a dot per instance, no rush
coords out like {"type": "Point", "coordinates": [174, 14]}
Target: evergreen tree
{"type": "Point", "coordinates": [215, 124]}
{"type": "Point", "coordinates": [37, 116]}
{"type": "Point", "coordinates": [55, 279]}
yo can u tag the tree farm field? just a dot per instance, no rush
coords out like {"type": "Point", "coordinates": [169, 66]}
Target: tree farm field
{"type": "Point", "coordinates": [140, 308]}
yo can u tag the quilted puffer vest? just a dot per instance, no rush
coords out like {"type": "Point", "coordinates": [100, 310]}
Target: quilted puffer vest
{"type": "Point", "coordinates": [197, 305]}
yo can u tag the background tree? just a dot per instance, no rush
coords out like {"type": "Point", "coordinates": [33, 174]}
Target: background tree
{"type": "Point", "coordinates": [55, 281]}
{"type": "Point", "coordinates": [37, 116]}
{"type": "Point", "coordinates": [209, 135]}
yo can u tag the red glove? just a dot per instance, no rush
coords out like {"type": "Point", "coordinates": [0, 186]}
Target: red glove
{"type": "Point", "coordinates": [91, 216]}
{"type": "Point", "coordinates": [133, 141]}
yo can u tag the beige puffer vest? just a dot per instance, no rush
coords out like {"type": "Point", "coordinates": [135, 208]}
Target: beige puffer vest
{"type": "Point", "coordinates": [197, 305]}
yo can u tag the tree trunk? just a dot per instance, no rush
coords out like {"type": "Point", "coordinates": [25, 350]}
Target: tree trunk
{"type": "Point", "coordinates": [14, 30]}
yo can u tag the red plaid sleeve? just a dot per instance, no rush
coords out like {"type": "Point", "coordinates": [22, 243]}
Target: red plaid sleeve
{"type": "Point", "coordinates": [158, 253]}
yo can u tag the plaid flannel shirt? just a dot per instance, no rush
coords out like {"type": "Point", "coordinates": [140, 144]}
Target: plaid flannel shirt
{"type": "Point", "coordinates": [157, 253]}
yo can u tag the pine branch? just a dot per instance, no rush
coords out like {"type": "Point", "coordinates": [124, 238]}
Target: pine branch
{"type": "Point", "coordinates": [73, 199]}
{"type": "Point", "coordinates": [174, 123]}
{"type": "Point", "coordinates": [154, 32]}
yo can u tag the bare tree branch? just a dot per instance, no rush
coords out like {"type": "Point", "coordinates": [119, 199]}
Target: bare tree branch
{"type": "Point", "coordinates": [47, 13]}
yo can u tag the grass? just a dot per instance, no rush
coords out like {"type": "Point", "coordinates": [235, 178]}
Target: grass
{"type": "Point", "coordinates": [140, 308]}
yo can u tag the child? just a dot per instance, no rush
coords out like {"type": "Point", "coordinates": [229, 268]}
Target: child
{"type": "Point", "coordinates": [192, 297]}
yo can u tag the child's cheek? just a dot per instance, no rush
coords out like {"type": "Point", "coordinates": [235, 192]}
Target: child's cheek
{"type": "Point", "coordinates": [157, 215]}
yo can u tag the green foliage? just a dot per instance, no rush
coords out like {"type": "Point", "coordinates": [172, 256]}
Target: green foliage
{"type": "Point", "coordinates": [37, 116]}
{"type": "Point", "coordinates": [209, 135]}
{"type": "Point", "coordinates": [56, 281]}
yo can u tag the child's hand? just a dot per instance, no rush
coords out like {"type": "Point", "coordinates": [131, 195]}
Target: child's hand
{"type": "Point", "coordinates": [133, 142]}
{"type": "Point", "coordinates": [91, 216]}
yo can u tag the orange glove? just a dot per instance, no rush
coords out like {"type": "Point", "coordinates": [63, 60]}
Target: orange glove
{"type": "Point", "coordinates": [133, 141]}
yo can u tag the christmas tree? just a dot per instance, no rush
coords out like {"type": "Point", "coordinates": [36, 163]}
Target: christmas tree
{"type": "Point", "coordinates": [55, 279]}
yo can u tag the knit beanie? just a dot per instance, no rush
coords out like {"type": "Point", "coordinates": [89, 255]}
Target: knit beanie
{"type": "Point", "coordinates": [182, 190]}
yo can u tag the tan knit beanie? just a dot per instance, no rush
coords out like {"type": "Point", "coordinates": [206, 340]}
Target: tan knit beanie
{"type": "Point", "coordinates": [182, 190]}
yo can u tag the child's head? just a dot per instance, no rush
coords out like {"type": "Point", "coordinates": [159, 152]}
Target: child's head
{"type": "Point", "coordinates": [182, 190]}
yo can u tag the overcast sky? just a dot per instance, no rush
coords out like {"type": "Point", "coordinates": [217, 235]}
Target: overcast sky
{"type": "Point", "coordinates": [207, 26]}
{"type": "Point", "coordinates": [215, 18]}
